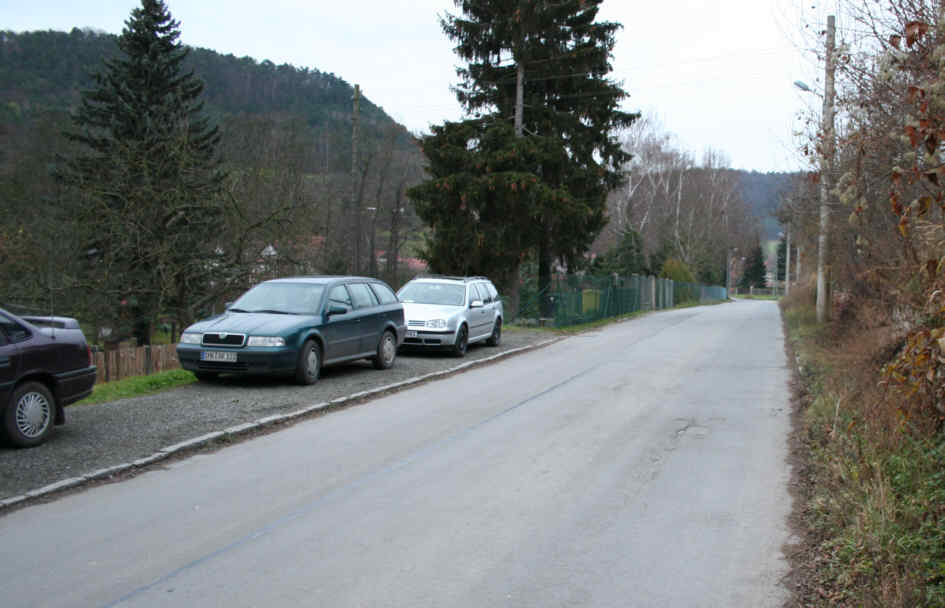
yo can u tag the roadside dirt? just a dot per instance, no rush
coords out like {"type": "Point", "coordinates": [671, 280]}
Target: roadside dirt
{"type": "Point", "coordinates": [802, 550]}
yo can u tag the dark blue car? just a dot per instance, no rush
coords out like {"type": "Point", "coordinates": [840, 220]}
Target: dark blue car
{"type": "Point", "coordinates": [294, 326]}
{"type": "Point", "coordinates": [45, 365]}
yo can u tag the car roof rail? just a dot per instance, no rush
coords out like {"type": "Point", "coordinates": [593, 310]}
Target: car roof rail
{"type": "Point", "coordinates": [450, 277]}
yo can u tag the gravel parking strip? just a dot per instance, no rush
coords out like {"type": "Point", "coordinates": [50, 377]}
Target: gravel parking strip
{"type": "Point", "coordinates": [103, 441]}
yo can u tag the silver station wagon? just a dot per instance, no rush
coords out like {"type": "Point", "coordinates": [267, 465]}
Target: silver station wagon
{"type": "Point", "coordinates": [451, 313]}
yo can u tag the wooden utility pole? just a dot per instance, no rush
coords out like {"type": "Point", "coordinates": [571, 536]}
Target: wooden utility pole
{"type": "Point", "coordinates": [519, 98]}
{"type": "Point", "coordinates": [797, 271]}
{"type": "Point", "coordinates": [355, 219]}
{"type": "Point", "coordinates": [787, 262]}
{"type": "Point", "coordinates": [826, 170]}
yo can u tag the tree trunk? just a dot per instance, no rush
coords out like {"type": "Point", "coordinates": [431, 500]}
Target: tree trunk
{"type": "Point", "coordinates": [544, 275]}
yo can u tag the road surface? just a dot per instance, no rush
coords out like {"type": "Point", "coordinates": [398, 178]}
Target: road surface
{"type": "Point", "coordinates": [642, 464]}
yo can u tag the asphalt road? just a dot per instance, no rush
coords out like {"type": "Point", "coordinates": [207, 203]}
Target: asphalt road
{"type": "Point", "coordinates": [640, 465]}
{"type": "Point", "coordinates": [106, 435]}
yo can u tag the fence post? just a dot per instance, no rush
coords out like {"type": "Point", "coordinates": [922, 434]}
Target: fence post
{"type": "Point", "coordinates": [652, 287]}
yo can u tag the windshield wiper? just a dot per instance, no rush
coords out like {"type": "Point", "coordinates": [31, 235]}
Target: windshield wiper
{"type": "Point", "coordinates": [274, 312]}
{"type": "Point", "coordinates": [236, 310]}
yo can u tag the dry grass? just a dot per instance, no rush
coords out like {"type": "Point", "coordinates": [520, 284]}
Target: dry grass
{"type": "Point", "coordinates": [877, 502]}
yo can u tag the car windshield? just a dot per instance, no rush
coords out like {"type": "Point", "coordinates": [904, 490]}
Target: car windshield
{"type": "Point", "coordinates": [443, 294]}
{"type": "Point", "coordinates": [281, 298]}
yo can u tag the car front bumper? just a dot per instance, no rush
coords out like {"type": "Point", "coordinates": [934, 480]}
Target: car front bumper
{"type": "Point", "coordinates": [248, 360]}
{"type": "Point", "coordinates": [415, 338]}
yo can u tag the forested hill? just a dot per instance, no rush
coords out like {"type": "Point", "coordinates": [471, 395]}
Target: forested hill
{"type": "Point", "coordinates": [285, 149]}
{"type": "Point", "coordinates": [46, 70]}
{"type": "Point", "coordinates": [763, 193]}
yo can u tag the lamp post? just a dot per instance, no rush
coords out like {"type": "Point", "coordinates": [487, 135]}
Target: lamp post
{"type": "Point", "coordinates": [826, 161]}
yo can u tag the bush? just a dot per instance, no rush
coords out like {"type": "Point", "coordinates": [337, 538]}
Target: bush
{"type": "Point", "coordinates": [677, 270]}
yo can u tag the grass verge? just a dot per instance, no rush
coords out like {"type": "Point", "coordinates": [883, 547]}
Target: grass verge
{"type": "Point", "coordinates": [138, 386]}
{"type": "Point", "coordinates": [874, 504]}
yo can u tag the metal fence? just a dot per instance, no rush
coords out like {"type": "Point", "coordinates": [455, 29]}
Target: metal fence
{"type": "Point", "coordinates": [577, 300]}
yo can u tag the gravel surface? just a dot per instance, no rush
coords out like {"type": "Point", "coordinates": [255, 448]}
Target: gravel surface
{"type": "Point", "coordinates": [108, 434]}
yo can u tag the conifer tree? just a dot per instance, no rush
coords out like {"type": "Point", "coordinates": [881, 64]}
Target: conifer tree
{"type": "Point", "coordinates": [146, 183]}
{"type": "Point", "coordinates": [569, 158]}
{"type": "Point", "coordinates": [782, 259]}
{"type": "Point", "coordinates": [755, 273]}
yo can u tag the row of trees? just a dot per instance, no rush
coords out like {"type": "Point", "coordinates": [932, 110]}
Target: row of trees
{"type": "Point", "coordinates": [887, 200]}
{"type": "Point", "coordinates": [530, 172]}
{"type": "Point", "coordinates": [548, 160]}
{"type": "Point", "coordinates": [145, 209]}
{"type": "Point", "coordinates": [153, 205]}
{"type": "Point", "coordinates": [877, 406]}
{"type": "Point", "coordinates": [672, 207]}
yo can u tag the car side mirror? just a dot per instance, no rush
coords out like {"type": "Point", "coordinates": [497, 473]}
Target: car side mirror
{"type": "Point", "coordinates": [475, 304]}
{"type": "Point", "coordinates": [335, 309]}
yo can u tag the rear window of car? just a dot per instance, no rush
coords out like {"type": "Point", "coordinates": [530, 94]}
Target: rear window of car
{"type": "Point", "coordinates": [383, 293]}
{"type": "Point", "coordinates": [362, 295]}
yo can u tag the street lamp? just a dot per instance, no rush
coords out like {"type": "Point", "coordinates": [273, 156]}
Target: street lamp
{"type": "Point", "coordinates": [803, 86]}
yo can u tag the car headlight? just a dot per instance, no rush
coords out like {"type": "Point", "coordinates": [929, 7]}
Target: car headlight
{"type": "Point", "coordinates": [190, 338]}
{"type": "Point", "coordinates": [436, 324]}
{"type": "Point", "coordinates": [265, 341]}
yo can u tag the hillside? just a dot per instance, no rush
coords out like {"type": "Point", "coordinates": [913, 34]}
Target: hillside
{"type": "Point", "coordinates": [763, 193]}
{"type": "Point", "coordinates": [286, 147]}
{"type": "Point", "coordinates": [46, 70]}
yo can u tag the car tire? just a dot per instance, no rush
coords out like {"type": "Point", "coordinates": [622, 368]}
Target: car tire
{"type": "Point", "coordinates": [206, 376]}
{"type": "Point", "coordinates": [462, 342]}
{"type": "Point", "coordinates": [29, 417]}
{"type": "Point", "coordinates": [496, 338]}
{"type": "Point", "coordinates": [309, 364]}
{"type": "Point", "coordinates": [386, 351]}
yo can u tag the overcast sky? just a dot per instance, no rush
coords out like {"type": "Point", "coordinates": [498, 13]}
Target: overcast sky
{"type": "Point", "coordinates": [718, 74]}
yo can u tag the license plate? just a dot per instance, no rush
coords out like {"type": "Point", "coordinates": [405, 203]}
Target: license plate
{"type": "Point", "coordinates": [217, 355]}
{"type": "Point", "coordinates": [411, 334]}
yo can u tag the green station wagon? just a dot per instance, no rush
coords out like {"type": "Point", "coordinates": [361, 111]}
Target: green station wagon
{"type": "Point", "coordinates": [294, 326]}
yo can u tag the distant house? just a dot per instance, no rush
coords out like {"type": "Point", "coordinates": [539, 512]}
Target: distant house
{"type": "Point", "coordinates": [413, 265]}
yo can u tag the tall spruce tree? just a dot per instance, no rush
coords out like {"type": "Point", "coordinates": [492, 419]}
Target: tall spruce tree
{"type": "Point", "coordinates": [782, 258]}
{"type": "Point", "coordinates": [146, 184]}
{"type": "Point", "coordinates": [566, 155]}
{"type": "Point", "coordinates": [755, 272]}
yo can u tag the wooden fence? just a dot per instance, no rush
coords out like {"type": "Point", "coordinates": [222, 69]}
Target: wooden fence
{"type": "Point", "coordinates": [141, 361]}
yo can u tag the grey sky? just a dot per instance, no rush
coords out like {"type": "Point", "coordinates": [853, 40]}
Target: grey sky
{"type": "Point", "coordinates": [716, 73]}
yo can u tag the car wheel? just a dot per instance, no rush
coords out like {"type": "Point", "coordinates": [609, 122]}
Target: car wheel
{"type": "Point", "coordinates": [496, 338]}
{"type": "Point", "coordinates": [310, 363]}
{"type": "Point", "coordinates": [206, 376]}
{"type": "Point", "coordinates": [386, 351]}
{"type": "Point", "coordinates": [28, 419]}
{"type": "Point", "coordinates": [462, 342]}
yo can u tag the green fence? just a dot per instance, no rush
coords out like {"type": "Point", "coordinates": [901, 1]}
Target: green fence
{"type": "Point", "coordinates": [576, 300]}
